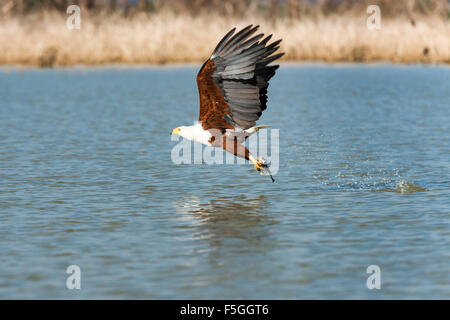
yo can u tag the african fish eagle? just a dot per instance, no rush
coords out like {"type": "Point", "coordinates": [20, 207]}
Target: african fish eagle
{"type": "Point", "coordinates": [232, 86]}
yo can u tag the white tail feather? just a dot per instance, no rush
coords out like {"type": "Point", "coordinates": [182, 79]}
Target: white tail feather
{"type": "Point", "coordinates": [256, 129]}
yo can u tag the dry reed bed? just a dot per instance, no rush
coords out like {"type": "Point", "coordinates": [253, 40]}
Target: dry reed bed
{"type": "Point", "coordinates": [43, 39]}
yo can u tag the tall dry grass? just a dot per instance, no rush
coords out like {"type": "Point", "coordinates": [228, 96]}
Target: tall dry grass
{"type": "Point", "coordinates": [42, 39]}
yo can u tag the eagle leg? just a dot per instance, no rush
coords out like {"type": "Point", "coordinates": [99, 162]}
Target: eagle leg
{"type": "Point", "coordinates": [232, 145]}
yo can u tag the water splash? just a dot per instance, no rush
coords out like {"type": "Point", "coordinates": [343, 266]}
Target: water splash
{"type": "Point", "coordinates": [385, 185]}
{"type": "Point", "coordinates": [404, 186]}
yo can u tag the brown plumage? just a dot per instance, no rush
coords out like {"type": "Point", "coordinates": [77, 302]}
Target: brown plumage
{"type": "Point", "coordinates": [213, 106]}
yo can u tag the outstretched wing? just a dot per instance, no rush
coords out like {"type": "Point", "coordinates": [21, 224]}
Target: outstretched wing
{"type": "Point", "coordinates": [233, 82]}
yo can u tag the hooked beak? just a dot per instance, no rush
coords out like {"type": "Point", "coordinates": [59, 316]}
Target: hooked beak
{"type": "Point", "coordinates": [175, 131]}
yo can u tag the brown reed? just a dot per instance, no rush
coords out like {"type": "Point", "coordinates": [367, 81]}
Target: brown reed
{"type": "Point", "coordinates": [42, 38]}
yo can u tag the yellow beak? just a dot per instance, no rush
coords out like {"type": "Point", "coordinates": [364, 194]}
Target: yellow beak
{"type": "Point", "coordinates": [176, 131]}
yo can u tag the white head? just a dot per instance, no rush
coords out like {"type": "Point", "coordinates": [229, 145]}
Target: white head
{"type": "Point", "coordinates": [183, 131]}
{"type": "Point", "coordinates": [194, 133]}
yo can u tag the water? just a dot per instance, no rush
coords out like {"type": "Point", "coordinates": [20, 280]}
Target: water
{"type": "Point", "coordinates": [86, 179]}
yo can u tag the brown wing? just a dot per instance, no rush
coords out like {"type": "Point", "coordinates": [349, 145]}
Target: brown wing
{"type": "Point", "coordinates": [213, 107]}
{"type": "Point", "coordinates": [233, 83]}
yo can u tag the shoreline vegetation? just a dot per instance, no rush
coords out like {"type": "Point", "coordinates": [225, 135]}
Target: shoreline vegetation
{"type": "Point", "coordinates": [39, 37]}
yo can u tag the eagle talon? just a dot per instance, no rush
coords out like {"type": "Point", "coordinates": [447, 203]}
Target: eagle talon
{"type": "Point", "coordinates": [259, 165]}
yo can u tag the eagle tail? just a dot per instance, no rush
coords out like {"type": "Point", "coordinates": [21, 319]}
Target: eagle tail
{"type": "Point", "coordinates": [252, 130]}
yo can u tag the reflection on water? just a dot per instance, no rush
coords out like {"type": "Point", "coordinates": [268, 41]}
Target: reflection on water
{"type": "Point", "coordinates": [222, 219]}
{"type": "Point", "coordinates": [86, 179]}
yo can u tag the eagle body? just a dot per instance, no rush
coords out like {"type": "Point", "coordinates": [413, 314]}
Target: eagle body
{"type": "Point", "coordinates": [232, 86]}
{"type": "Point", "coordinates": [210, 137]}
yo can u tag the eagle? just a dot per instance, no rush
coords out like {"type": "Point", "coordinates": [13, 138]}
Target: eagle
{"type": "Point", "coordinates": [232, 86]}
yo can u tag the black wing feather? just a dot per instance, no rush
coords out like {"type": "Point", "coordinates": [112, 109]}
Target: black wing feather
{"type": "Point", "coordinates": [242, 72]}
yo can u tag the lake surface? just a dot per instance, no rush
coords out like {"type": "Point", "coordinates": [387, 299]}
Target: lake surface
{"type": "Point", "coordinates": [86, 179]}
